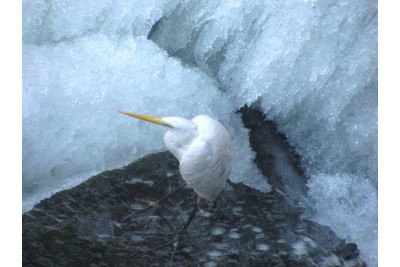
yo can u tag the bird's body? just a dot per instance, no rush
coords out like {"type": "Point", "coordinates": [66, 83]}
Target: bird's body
{"type": "Point", "coordinates": [204, 150]}
{"type": "Point", "coordinates": [202, 146]}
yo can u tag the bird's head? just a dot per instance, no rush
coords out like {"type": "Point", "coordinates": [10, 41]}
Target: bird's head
{"type": "Point", "coordinates": [180, 131]}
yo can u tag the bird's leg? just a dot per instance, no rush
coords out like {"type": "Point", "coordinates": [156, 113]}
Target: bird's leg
{"type": "Point", "coordinates": [154, 204]}
{"type": "Point", "coordinates": [177, 237]}
{"type": "Point", "coordinates": [193, 213]}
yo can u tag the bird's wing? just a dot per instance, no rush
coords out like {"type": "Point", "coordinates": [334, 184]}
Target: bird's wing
{"type": "Point", "coordinates": [203, 170]}
{"type": "Point", "coordinates": [195, 162]}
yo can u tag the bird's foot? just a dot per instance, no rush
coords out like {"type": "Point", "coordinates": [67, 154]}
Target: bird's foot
{"type": "Point", "coordinates": [151, 204]}
{"type": "Point", "coordinates": [155, 204]}
{"type": "Point", "coordinates": [175, 244]}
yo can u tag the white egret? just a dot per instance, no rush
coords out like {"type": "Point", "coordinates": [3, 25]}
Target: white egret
{"type": "Point", "coordinates": [203, 148]}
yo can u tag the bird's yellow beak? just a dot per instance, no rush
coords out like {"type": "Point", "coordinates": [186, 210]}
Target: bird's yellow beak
{"type": "Point", "coordinates": [151, 119]}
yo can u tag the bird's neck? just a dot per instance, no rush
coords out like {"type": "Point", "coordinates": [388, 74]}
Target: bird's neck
{"type": "Point", "coordinates": [178, 140]}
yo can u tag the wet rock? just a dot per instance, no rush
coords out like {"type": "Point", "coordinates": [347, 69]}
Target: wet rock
{"type": "Point", "coordinates": [85, 226]}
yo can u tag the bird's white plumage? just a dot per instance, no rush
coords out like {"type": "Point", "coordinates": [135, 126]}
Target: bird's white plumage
{"type": "Point", "coordinates": [203, 148]}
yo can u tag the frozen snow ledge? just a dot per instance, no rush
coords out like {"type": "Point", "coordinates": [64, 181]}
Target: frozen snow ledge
{"type": "Point", "coordinates": [76, 76]}
{"type": "Point", "coordinates": [353, 201]}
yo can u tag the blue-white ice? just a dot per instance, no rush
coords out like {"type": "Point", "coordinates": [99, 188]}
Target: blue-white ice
{"type": "Point", "coordinates": [311, 66]}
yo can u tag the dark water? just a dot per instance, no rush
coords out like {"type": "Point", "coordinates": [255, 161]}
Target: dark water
{"type": "Point", "coordinates": [85, 226]}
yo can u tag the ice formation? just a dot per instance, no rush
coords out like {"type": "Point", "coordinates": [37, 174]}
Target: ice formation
{"type": "Point", "coordinates": [310, 66]}
{"type": "Point", "coordinates": [73, 89]}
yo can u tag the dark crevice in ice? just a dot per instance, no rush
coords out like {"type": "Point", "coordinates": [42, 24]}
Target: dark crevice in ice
{"type": "Point", "coordinates": [275, 157]}
{"type": "Point", "coordinates": [154, 29]}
